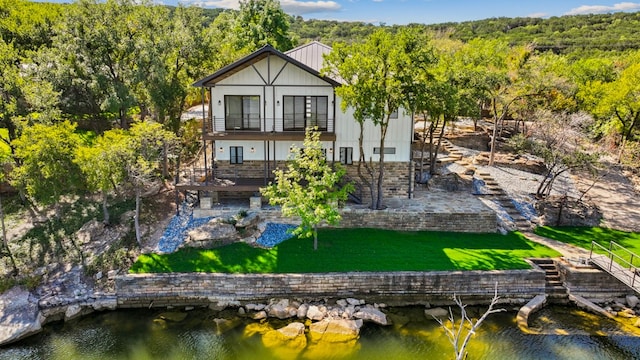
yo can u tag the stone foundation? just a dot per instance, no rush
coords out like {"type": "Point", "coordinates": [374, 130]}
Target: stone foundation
{"type": "Point", "coordinates": [392, 288]}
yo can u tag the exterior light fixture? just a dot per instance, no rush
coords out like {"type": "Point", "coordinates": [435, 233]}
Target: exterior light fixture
{"type": "Point", "coordinates": [219, 102]}
{"type": "Point", "coordinates": [221, 149]}
{"type": "Point", "coordinates": [253, 149]}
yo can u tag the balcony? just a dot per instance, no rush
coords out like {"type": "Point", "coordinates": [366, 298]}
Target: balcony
{"type": "Point", "coordinates": [271, 130]}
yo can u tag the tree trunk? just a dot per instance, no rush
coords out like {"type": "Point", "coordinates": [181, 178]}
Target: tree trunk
{"type": "Point", "coordinates": [136, 217]}
{"type": "Point", "coordinates": [315, 237]}
{"type": "Point", "coordinates": [5, 241]}
{"type": "Point", "coordinates": [105, 209]}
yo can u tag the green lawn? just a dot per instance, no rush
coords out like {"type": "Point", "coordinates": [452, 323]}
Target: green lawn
{"type": "Point", "coordinates": [582, 237]}
{"type": "Point", "coordinates": [341, 250]}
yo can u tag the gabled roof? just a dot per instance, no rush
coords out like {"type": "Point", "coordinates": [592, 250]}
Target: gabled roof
{"type": "Point", "coordinates": [253, 58]}
{"type": "Point", "coordinates": [310, 54]}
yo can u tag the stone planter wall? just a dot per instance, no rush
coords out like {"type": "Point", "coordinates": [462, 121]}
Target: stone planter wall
{"type": "Point", "coordinates": [472, 222]}
{"type": "Point", "coordinates": [392, 288]}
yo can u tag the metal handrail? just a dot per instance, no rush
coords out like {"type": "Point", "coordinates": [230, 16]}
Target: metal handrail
{"type": "Point", "coordinates": [622, 261]}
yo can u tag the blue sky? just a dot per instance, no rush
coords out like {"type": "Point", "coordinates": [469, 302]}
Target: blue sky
{"type": "Point", "coordinates": [425, 11]}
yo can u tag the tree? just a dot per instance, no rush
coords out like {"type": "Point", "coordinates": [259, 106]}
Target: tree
{"type": "Point", "coordinates": [101, 45]}
{"type": "Point", "coordinates": [262, 22]}
{"type": "Point", "coordinates": [460, 333]}
{"type": "Point", "coordinates": [147, 145]}
{"type": "Point", "coordinates": [309, 188]}
{"type": "Point", "coordinates": [5, 162]}
{"type": "Point", "coordinates": [103, 164]}
{"type": "Point", "coordinates": [556, 138]}
{"type": "Point", "coordinates": [373, 72]}
{"type": "Point", "coordinates": [618, 105]}
{"type": "Point", "coordinates": [46, 169]}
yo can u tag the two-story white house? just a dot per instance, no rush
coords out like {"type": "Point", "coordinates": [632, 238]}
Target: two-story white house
{"type": "Point", "coordinates": [260, 105]}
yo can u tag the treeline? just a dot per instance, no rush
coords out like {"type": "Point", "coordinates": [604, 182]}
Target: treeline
{"type": "Point", "coordinates": [616, 31]}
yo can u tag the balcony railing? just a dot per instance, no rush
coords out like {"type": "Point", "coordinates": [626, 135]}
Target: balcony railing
{"type": "Point", "coordinates": [279, 124]}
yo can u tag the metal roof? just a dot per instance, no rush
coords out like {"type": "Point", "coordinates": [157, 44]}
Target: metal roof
{"type": "Point", "coordinates": [311, 54]}
{"type": "Point", "coordinates": [262, 53]}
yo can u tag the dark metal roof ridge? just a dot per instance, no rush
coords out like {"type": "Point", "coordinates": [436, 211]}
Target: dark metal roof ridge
{"type": "Point", "coordinates": [249, 59]}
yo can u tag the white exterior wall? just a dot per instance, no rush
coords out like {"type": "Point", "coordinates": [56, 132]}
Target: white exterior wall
{"type": "Point", "coordinates": [274, 79]}
{"type": "Point", "coordinates": [399, 135]}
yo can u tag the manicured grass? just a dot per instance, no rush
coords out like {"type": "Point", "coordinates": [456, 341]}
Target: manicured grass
{"type": "Point", "coordinates": [342, 250]}
{"type": "Point", "coordinates": [582, 237]}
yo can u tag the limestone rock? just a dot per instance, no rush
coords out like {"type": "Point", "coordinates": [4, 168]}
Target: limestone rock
{"type": "Point", "coordinates": [213, 233]}
{"type": "Point", "coordinates": [173, 316]}
{"type": "Point", "coordinates": [75, 311]}
{"type": "Point", "coordinates": [105, 304]}
{"type": "Point", "coordinates": [335, 330]}
{"type": "Point", "coordinates": [19, 315]}
{"type": "Point", "coordinates": [372, 314]}
{"type": "Point", "coordinates": [252, 219]}
{"type": "Point", "coordinates": [436, 312]}
{"type": "Point", "coordinates": [288, 342]}
{"type": "Point", "coordinates": [637, 323]}
{"type": "Point", "coordinates": [302, 311]}
{"type": "Point", "coordinates": [260, 315]}
{"type": "Point", "coordinates": [281, 310]}
{"type": "Point", "coordinates": [224, 325]}
{"type": "Point", "coordinates": [632, 301]}
{"type": "Point", "coordinates": [314, 313]}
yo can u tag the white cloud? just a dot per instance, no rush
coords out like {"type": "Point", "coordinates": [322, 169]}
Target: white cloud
{"type": "Point", "coordinates": [600, 9]}
{"type": "Point", "coordinates": [294, 7]}
{"type": "Point", "coordinates": [538, 15]}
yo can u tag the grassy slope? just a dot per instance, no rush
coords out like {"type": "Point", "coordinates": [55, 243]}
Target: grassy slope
{"type": "Point", "coordinates": [342, 250]}
{"type": "Point", "coordinates": [582, 237]}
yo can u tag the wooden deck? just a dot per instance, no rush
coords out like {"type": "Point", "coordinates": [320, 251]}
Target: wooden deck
{"type": "Point", "coordinates": [226, 185]}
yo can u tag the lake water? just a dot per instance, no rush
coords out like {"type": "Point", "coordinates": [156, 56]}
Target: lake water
{"type": "Point", "coordinates": [565, 333]}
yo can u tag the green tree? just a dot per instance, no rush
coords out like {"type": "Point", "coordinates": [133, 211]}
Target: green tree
{"type": "Point", "coordinates": [147, 145]}
{"type": "Point", "coordinates": [175, 63]}
{"type": "Point", "coordinates": [262, 22]}
{"type": "Point", "coordinates": [309, 188]}
{"type": "Point", "coordinates": [102, 44]}
{"type": "Point", "coordinates": [5, 162]}
{"type": "Point", "coordinates": [617, 104]}
{"type": "Point", "coordinates": [373, 72]}
{"type": "Point", "coordinates": [46, 169]}
{"type": "Point", "coordinates": [103, 164]}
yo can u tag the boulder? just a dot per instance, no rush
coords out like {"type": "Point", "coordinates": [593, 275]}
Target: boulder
{"type": "Point", "coordinates": [370, 313]}
{"type": "Point", "coordinates": [251, 220]}
{"type": "Point", "coordinates": [302, 311]}
{"type": "Point", "coordinates": [224, 325]}
{"type": "Point", "coordinates": [19, 315]}
{"type": "Point", "coordinates": [314, 313]}
{"type": "Point", "coordinates": [173, 316]}
{"type": "Point", "coordinates": [287, 342]}
{"type": "Point", "coordinates": [632, 301]}
{"type": "Point", "coordinates": [437, 312]}
{"type": "Point", "coordinates": [335, 331]}
{"type": "Point", "coordinates": [214, 233]}
{"type": "Point", "coordinates": [281, 310]}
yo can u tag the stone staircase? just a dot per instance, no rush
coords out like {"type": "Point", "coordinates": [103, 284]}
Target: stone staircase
{"type": "Point", "coordinates": [554, 289]}
{"type": "Point", "coordinates": [498, 195]}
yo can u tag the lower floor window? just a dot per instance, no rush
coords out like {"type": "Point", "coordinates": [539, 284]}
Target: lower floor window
{"type": "Point", "coordinates": [235, 153]}
{"type": "Point", "coordinates": [346, 155]}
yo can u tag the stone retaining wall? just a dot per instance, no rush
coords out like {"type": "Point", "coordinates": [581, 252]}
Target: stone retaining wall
{"type": "Point", "coordinates": [592, 284]}
{"type": "Point", "coordinates": [392, 288]}
{"type": "Point", "coordinates": [471, 222]}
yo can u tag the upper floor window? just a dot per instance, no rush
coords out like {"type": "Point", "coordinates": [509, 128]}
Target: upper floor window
{"type": "Point", "coordinates": [301, 112]}
{"type": "Point", "coordinates": [242, 112]}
